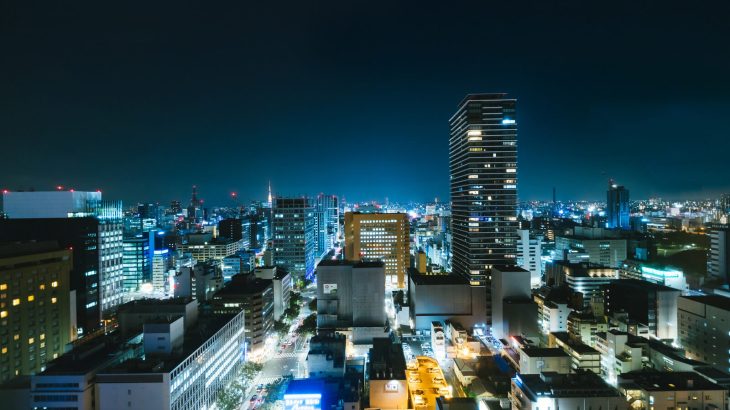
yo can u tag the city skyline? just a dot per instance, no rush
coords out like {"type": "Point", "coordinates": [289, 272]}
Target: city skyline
{"type": "Point", "coordinates": [181, 88]}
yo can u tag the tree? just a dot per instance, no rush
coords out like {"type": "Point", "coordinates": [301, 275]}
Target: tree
{"type": "Point", "coordinates": [230, 398]}
{"type": "Point", "coordinates": [295, 298]}
{"type": "Point", "coordinates": [309, 325]}
{"type": "Point", "coordinates": [281, 328]}
{"type": "Point", "coordinates": [313, 305]}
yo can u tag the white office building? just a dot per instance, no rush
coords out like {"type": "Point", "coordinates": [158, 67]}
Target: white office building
{"type": "Point", "coordinates": [529, 252]}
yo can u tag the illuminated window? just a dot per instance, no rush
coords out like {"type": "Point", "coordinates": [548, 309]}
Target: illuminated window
{"type": "Point", "coordinates": [42, 286]}
{"type": "Point", "coordinates": [43, 336]}
{"type": "Point", "coordinates": [16, 302]}
{"type": "Point", "coordinates": [5, 350]}
{"type": "Point", "coordinates": [31, 340]}
{"type": "Point", "coordinates": [16, 337]}
{"type": "Point", "coordinates": [3, 314]}
{"type": "Point", "coordinates": [54, 300]}
{"type": "Point", "coordinates": [54, 284]}
{"type": "Point", "coordinates": [31, 298]}
{"type": "Point", "coordinates": [3, 286]}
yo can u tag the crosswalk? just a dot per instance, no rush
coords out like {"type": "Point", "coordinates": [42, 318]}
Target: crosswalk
{"type": "Point", "coordinates": [266, 380]}
{"type": "Point", "coordinates": [290, 354]}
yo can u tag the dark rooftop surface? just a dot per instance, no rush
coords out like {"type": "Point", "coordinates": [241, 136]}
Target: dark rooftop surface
{"type": "Point", "coordinates": [387, 360]}
{"type": "Point", "coordinates": [720, 302]}
{"type": "Point", "coordinates": [13, 249]}
{"type": "Point", "coordinates": [583, 384]}
{"type": "Point", "coordinates": [545, 352]}
{"type": "Point", "coordinates": [574, 344]}
{"type": "Point", "coordinates": [640, 284]}
{"type": "Point", "coordinates": [666, 381]}
{"type": "Point", "coordinates": [244, 285]}
{"type": "Point", "coordinates": [436, 279]}
{"type": "Point", "coordinates": [355, 264]}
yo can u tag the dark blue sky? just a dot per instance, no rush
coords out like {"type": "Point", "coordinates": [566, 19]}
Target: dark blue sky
{"type": "Point", "coordinates": [353, 97]}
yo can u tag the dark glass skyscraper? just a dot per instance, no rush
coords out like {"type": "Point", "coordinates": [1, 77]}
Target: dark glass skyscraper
{"type": "Point", "coordinates": [483, 167]}
{"type": "Point", "coordinates": [617, 207]}
{"type": "Point", "coordinates": [294, 235]}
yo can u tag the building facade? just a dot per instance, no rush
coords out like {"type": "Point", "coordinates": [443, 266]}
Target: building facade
{"type": "Point", "coordinates": [718, 263]}
{"type": "Point", "coordinates": [380, 237]}
{"type": "Point", "coordinates": [483, 169]}
{"type": "Point", "coordinates": [35, 306]}
{"type": "Point", "coordinates": [327, 220]}
{"type": "Point", "coordinates": [704, 329]}
{"type": "Point", "coordinates": [294, 237]}
{"type": "Point", "coordinates": [618, 210]}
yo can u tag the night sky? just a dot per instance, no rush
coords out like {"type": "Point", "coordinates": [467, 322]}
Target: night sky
{"type": "Point", "coordinates": [143, 100]}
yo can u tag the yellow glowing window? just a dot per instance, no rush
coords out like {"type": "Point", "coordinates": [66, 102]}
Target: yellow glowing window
{"type": "Point", "coordinates": [42, 286]}
{"type": "Point", "coordinates": [54, 284]}
{"type": "Point", "coordinates": [16, 337]}
{"type": "Point", "coordinates": [16, 302]}
{"type": "Point", "coordinates": [53, 300]}
{"type": "Point", "coordinates": [43, 344]}
{"type": "Point", "coordinates": [5, 350]}
{"type": "Point", "coordinates": [31, 298]}
{"type": "Point", "coordinates": [3, 314]}
{"type": "Point", "coordinates": [31, 340]}
{"type": "Point", "coordinates": [43, 336]}
{"type": "Point", "coordinates": [3, 286]}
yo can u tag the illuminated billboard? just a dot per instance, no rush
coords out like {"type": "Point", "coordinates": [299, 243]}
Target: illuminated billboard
{"type": "Point", "coordinates": [309, 401]}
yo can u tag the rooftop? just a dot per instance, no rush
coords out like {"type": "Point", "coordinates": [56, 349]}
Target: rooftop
{"type": "Point", "coordinates": [354, 264]}
{"type": "Point", "coordinates": [666, 381]}
{"type": "Point", "coordinates": [436, 279]}
{"type": "Point", "coordinates": [12, 249]}
{"type": "Point", "coordinates": [244, 285]}
{"type": "Point", "coordinates": [719, 302]}
{"type": "Point", "coordinates": [549, 384]}
{"type": "Point", "coordinates": [387, 360]}
{"type": "Point", "coordinates": [544, 352]}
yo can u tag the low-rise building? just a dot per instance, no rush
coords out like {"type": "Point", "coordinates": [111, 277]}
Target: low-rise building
{"type": "Point", "coordinates": [671, 390]}
{"type": "Point", "coordinates": [387, 375]}
{"type": "Point", "coordinates": [552, 391]}
{"type": "Point", "coordinates": [583, 357]}
{"type": "Point", "coordinates": [535, 360]}
{"type": "Point", "coordinates": [621, 352]}
{"type": "Point", "coordinates": [326, 356]}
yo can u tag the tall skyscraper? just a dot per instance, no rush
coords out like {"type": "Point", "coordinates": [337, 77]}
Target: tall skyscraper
{"type": "Point", "coordinates": [294, 236]}
{"type": "Point", "coordinates": [617, 207]}
{"type": "Point", "coordinates": [380, 237]}
{"type": "Point", "coordinates": [327, 220]}
{"type": "Point", "coordinates": [483, 168]}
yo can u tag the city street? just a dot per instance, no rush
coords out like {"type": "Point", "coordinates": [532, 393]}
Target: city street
{"type": "Point", "coordinates": [288, 358]}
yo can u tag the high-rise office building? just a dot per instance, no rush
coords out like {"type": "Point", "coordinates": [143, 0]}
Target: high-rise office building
{"type": "Point", "coordinates": [36, 309]}
{"type": "Point", "coordinates": [231, 228]}
{"type": "Point", "coordinates": [718, 264]}
{"type": "Point", "coordinates": [327, 220]}
{"type": "Point", "coordinates": [380, 237]}
{"type": "Point", "coordinates": [294, 236]}
{"type": "Point", "coordinates": [617, 207]}
{"type": "Point", "coordinates": [483, 169]}
{"type": "Point", "coordinates": [137, 260]}
{"type": "Point", "coordinates": [88, 225]}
